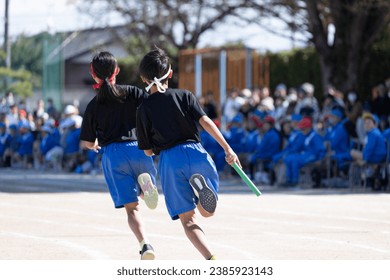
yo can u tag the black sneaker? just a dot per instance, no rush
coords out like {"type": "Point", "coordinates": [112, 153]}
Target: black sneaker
{"type": "Point", "coordinates": [207, 198]}
{"type": "Point", "coordinates": [147, 252]}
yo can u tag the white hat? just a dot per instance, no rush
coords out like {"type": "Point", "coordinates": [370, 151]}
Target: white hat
{"type": "Point", "coordinates": [308, 88]}
{"type": "Point", "coordinates": [246, 93]}
{"type": "Point", "coordinates": [70, 109]}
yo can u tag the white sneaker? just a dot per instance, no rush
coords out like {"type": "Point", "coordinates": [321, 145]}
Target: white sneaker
{"type": "Point", "coordinates": [149, 190]}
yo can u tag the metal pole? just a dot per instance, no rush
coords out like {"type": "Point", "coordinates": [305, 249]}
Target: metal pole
{"type": "Point", "coordinates": [222, 83]}
{"type": "Point", "coordinates": [6, 45]}
{"type": "Point", "coordinates": [198, 75]}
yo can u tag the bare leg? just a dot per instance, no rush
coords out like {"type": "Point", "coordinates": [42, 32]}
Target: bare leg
{"type": "Point", "coordinates": [134, 219]}
{"type": "Point", "coordinates": [194, 233]}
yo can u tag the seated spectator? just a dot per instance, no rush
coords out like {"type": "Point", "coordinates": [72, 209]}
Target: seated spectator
{"type": "Point", "coordinates": [13, 115]}
{"type": "Point", "coordinates": [5, 142]}
{"type": "Point", "coordinates": [313, 149]}
{"type": "Point", "coordinates": [70, 142]}
{"type": "Point", "coordinates": [50, 150]}
{"type": "Point", "coordinates": [14, 144]}
{"type": "Point", "coordinates": [308, 105]}
{"type": "Point", "coordinates": [339, 140]}
{"type": "Point", "coordinates": [294, 142]}
{"type": "Point", "coordinates": [235, 134]}
{"type": "Point", "coordinates": [232, 105]}
{"type": "Point", "coordinates": [24, 155]}
{"type": "Point", "coordinates": [270, 145]}
{"type": "Point", "coordinates": [252, 139]}
{"type": "Point", "coordinates": [266, 101]}
{"type": "Point", "coordinates": [253, 136]}
{"type": "Point", "coordinates": [374, 151]}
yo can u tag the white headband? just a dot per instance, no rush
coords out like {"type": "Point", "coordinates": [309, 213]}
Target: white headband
{"type": "Point", "coordinates": [158, 83]}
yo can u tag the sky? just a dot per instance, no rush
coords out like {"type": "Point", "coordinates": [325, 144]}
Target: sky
{"type": "Point", "coordinates": [34, 16]}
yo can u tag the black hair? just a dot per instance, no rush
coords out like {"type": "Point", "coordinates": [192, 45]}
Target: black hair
{"type": "Point", "coordinates": [104, 65]}
{"type": "Point", "coordinates": [154, 64]}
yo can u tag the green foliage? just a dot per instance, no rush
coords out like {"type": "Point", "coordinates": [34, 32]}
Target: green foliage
{"type": "Point", "coordinates": [22, 88]}
{"type": "Point", "coordinates": [16, 81]}
{"type": "Point", "coordinates": [302, 65]}
{"type": "Point", "coordinates": [294, 68]}
{"type": "Point", "coordinates": [378, 68]}
{"type": "Point", "coordinates": [27, 54]}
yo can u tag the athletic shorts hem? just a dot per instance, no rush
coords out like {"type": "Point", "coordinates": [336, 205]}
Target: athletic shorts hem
{"type": "Point", "coordinates": [175, 214]}
{"type": "Point", "coordinates": [122, 204]}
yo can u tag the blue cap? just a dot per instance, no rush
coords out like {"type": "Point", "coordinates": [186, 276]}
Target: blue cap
{"type": "Point", "coordinates": [296, 117]}
{"type": "Point", "coordinates": [237, 119]}
{"type": "Point", "coordinates": [13, 126]}
{"type": "Point", "coordinates": [2, 125]}
{"type": "Point", "coordinates": [337, 112]}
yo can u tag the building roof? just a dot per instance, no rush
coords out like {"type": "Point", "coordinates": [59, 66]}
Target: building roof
{"type": "Point", "coordinates": [79, 45]}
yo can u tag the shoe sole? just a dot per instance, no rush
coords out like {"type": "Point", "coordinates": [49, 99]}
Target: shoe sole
{"type": "Point", "coordinates": [149, 190]}
{"type": "Point", "coordinates": [148, 255]}
{"type": "Point", "coordinates": [207, 197]}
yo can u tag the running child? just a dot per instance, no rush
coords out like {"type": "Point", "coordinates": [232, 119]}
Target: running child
{"type": "Point", "coordinates": [167, 126]}
{"type": "Point", "coordinates": [109, 124]}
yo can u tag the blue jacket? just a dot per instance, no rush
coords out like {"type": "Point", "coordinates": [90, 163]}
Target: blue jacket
{"type": "Point", "coordinates": [252, 139]}
{"type": "Point", "coordinates": [294, 144]}
{"type": "Point", "coordinates": [72, 142]}
{"type": "Point", "coordinates": [295, 141]}
{"type": "Point", "coordinates": [49, 142]}
{"type": "Point", "coordinates": [374, 151]}
{"type": "Point", "coordinates": [209, 143]}
{"type": "Point", "coordinates": [5, 142]}
{"type": "Point", "coordinates": [386, 134]}
{"type": "Point", "coordinates": [314, 145]}
{"type": "Point", "coordinates": [26, 142]}
{"type": "Point", "coordinates": [235, 137]}
{"type": "Point", "coordinates": [269, 145]}
{"type": "Point", "coordinates": [339, 138]}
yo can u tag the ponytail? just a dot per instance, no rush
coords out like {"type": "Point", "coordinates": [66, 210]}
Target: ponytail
{"type": "Point", "coordinates": [105, 67]}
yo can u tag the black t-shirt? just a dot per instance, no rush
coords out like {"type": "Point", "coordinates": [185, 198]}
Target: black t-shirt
{"type": "Point", "coordinates": [112, 121]}
{"type": "Point", "coordinates": [167, 119]}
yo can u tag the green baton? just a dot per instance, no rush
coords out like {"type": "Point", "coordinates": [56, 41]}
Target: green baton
{"type": "Point", "coordinates": [246, 179]}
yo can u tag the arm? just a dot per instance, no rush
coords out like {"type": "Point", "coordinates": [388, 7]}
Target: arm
{"type": "Point", "coordinates": [94, 146]}
{"type": "Point", "coordinates": [212, 129]}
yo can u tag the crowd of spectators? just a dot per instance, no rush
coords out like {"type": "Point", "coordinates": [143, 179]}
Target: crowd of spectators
{"type": "Point", "coordinates": [275, 133]}
{"type": "Point", "coordinates": [42, 138]}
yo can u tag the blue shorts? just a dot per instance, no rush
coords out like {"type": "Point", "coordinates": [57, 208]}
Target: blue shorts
{"type": "Point", "coordinates": [176, 166]}
{"type": "Point", "coordinates": [122, 162]}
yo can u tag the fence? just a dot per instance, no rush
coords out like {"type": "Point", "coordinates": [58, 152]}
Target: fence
{"type": "Point", "coordinates": [218, 70]}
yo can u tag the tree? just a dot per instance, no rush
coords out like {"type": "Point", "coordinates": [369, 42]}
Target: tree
{"type": "Point", "coordinates": [174, 24]}
{"type": "Point", "coordinates": [33, 46]}
{"type": "Point", "coordinates": [169, 24]}
{"type": "Point", "coordinates": [344, 54]}
{"type": "Point", "coordinates": [18, 81]}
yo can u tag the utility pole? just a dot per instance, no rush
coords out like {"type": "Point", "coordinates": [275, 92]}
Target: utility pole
{"type": "Point", "coordinates": [6, 46]}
